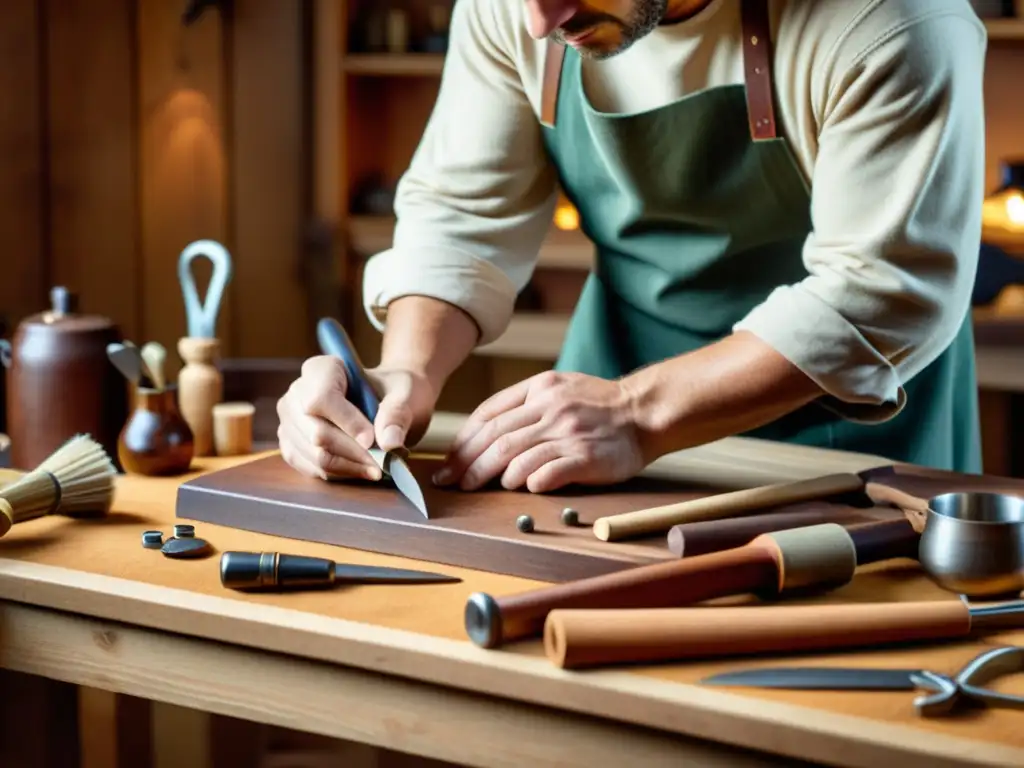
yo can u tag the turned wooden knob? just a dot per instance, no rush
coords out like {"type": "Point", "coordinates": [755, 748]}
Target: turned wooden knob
{"type": "Point", "coordinates": [232, 428]}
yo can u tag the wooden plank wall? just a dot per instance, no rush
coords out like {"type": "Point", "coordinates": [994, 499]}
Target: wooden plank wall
{"type": "Point", "coordinates": [124, 136]}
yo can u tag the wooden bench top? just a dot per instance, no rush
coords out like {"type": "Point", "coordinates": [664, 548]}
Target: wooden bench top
{"type": "Point", "coordinates": [100, 569]}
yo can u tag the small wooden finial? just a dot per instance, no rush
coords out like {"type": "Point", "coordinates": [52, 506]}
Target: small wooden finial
{"type": "Point", "coordinates": [232, 428]}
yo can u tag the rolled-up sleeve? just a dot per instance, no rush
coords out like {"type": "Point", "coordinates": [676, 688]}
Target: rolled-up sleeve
{"type": "Point", "coordinates": [476, 202]}
{"type": "Point", "coordinates": [898, 184]}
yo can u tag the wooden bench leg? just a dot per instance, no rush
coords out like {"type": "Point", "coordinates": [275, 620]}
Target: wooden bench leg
{"type": "Point", "coordinates": [38, 722]}
{"type": "Point", "coordinates": [115, 730]}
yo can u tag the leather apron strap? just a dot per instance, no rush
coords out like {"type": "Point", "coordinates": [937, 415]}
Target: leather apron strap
{"type": "Point", "coordinates": [757, 68]}
{"type": "Point", "coordinates": [757, 72]}
{"type": "Point", "coordinates": [553, 59]}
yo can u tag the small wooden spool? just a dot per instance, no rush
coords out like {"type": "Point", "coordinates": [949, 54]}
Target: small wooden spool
{"type": "Point", "coordinates": [232, 428]}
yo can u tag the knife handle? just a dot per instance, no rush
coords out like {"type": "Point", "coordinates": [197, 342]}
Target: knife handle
{"type": "Point", "coordinates": [491, 622]}
{"type": "Point", "coordinates": [334, 341]}
{"type": "Point", "coordinates": [575, 639]}
{"type": "Point", "coordinates": [272, 570]}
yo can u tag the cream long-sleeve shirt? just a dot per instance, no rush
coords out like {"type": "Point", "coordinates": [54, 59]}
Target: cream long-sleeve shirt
{"type": "Point", "coordinates": [880, 100]}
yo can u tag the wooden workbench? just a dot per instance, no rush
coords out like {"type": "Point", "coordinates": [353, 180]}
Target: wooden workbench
{"type": "Point", "coordinates": [390, 666]}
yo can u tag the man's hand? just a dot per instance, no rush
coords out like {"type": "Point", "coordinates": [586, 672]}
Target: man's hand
{"type": "Point", "coordinates": [323, 435]}
{"type": "Point", "coordinates": [546, 432]}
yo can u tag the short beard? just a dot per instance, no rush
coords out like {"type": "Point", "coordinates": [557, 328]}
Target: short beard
{"type": "Point", "coordinates": [645, 18]}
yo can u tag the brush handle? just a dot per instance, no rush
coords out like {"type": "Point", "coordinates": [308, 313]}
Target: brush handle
{"type": "Point", "coordinates": [575, 639]}
{"type": "Point", "coordinates": [723, 505]}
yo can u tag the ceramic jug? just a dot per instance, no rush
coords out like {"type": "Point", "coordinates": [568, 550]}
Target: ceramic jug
{"type": "Point", "coordinates": [156, 440]}
{"type": "Point", "coordinates": [60, 382]}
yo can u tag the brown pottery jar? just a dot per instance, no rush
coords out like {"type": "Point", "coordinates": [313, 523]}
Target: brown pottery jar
{"type": "Point", "coordinates": [60, 382]}
{"type": "Point", "coordinates": [156, 440]}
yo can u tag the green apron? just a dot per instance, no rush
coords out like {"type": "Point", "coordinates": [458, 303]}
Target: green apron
{"type": "Point", "coordinates": [695, 222]}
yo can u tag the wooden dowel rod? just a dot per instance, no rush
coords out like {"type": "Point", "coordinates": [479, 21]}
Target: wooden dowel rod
{"type": "Point", "coordinates": [716, 507]}
{"type": "Point", "coordinates": [574, 639]}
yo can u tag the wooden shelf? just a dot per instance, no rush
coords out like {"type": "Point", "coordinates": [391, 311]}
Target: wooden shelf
{"type": "Point", "coordinates": [530, 336]}
{"type": "Point", "coordinates": [393, 64]}
{"type": "Point", "coordinates": [1005, 29]}
{"type": "Point", "coordinates": [561, 249]}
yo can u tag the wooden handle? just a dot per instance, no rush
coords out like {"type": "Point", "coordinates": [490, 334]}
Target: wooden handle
{"type": "Point", "coordinates": [691, 539]}
{"type": "Point", "coordinates": [719, 506]}
{"type": "Point", "coordinates": [587, 638]}
{"type": "Point", "coordinates": [6, 516]}
{"type": "Point", "coordinates": [885, 540]}
{"type": "Point", "coordinates": [491, 622]}
{"type": "Point", "coordinates": [814, 556]}
{"type": "Point", "coordinates": [915, 508]}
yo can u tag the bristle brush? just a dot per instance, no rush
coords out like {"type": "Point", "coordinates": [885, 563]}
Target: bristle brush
{"type": "Point", "coordinates": [76, 479]}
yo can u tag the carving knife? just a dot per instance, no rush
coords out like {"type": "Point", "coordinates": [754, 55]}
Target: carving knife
{"type": "Point", "coordinates": [334, 341]}
{"type": "Point", "coordinates": [274, 570]}
{"type": "Point", "coordinates": [823, 679]}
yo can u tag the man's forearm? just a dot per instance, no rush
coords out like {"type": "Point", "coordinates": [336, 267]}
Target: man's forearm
{"type": "Point", "coordinates": [728, 387]}
{"type": "Point", "coordinates": [427, 336]}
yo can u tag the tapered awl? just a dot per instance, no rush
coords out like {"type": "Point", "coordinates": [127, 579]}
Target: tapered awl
{"type": "Point", "coordinates": [334, 341]}
{"type": "Point", "coordinates": [273, 570]}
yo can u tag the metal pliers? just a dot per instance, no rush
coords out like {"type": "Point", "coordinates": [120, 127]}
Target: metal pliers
{"type": "Point", "coordinates": [969, 683]}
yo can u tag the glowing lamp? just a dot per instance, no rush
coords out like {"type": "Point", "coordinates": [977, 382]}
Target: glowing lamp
{"type": "Point", "coordinates": [568, 218]}
{"type": "Point", "coordinates": [1003, 210]}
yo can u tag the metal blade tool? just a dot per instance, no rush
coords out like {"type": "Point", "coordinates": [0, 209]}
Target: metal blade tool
{"type": "Point", "coordinates": [360, 392]}
{"type": "Point", "coordinates": [262, 571]}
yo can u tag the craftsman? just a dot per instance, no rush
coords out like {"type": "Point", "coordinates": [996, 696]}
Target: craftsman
{"type": "Point", "coordinates": [787, 219]}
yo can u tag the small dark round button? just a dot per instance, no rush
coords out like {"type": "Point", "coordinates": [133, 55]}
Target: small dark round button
{"type": "Point", "coordinates": [184, 531]}
{"type": "Point", "coordinates": [152, 539]}
{"type": "Point", "coordinates": [187, 548]}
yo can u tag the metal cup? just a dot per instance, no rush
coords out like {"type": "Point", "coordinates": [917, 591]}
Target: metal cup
{"type": "Point", "coordinates": [973, 543]}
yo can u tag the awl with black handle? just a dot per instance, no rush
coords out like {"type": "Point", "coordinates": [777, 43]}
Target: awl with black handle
{"type": "Point", "coordinates": [360, 392]}
{"type": "Point", "coordinates": [275, 571]}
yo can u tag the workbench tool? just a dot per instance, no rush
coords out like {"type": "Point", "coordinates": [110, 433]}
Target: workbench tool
{"type": "Point", "coordinates": [971, 543]}
{"type": "Point", "coordinates": [690, 539]}
{"type": "Point", "coordinates": [945, 692]}
{"type": "Point", "coordinates": [76, 479]}
{"type": "Point", "coordinates": [576, 639]}
{"type": "Point", "coordinates": [722, 505]}
{"type": "Point", "coordinates": [200, 382]}
{"type": "Point", "coordinates": [273, 570]}
{"type": "Point", "coordinates": [201, 318]}
{"type": "Point", "coordinates": [818, 556]}
{"type": "Point", "coordinates": [360, 392]}
{"type": "Point", "coordinates": [128, 360]}
{"type": "Point", "coordinates": [154, 356]}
